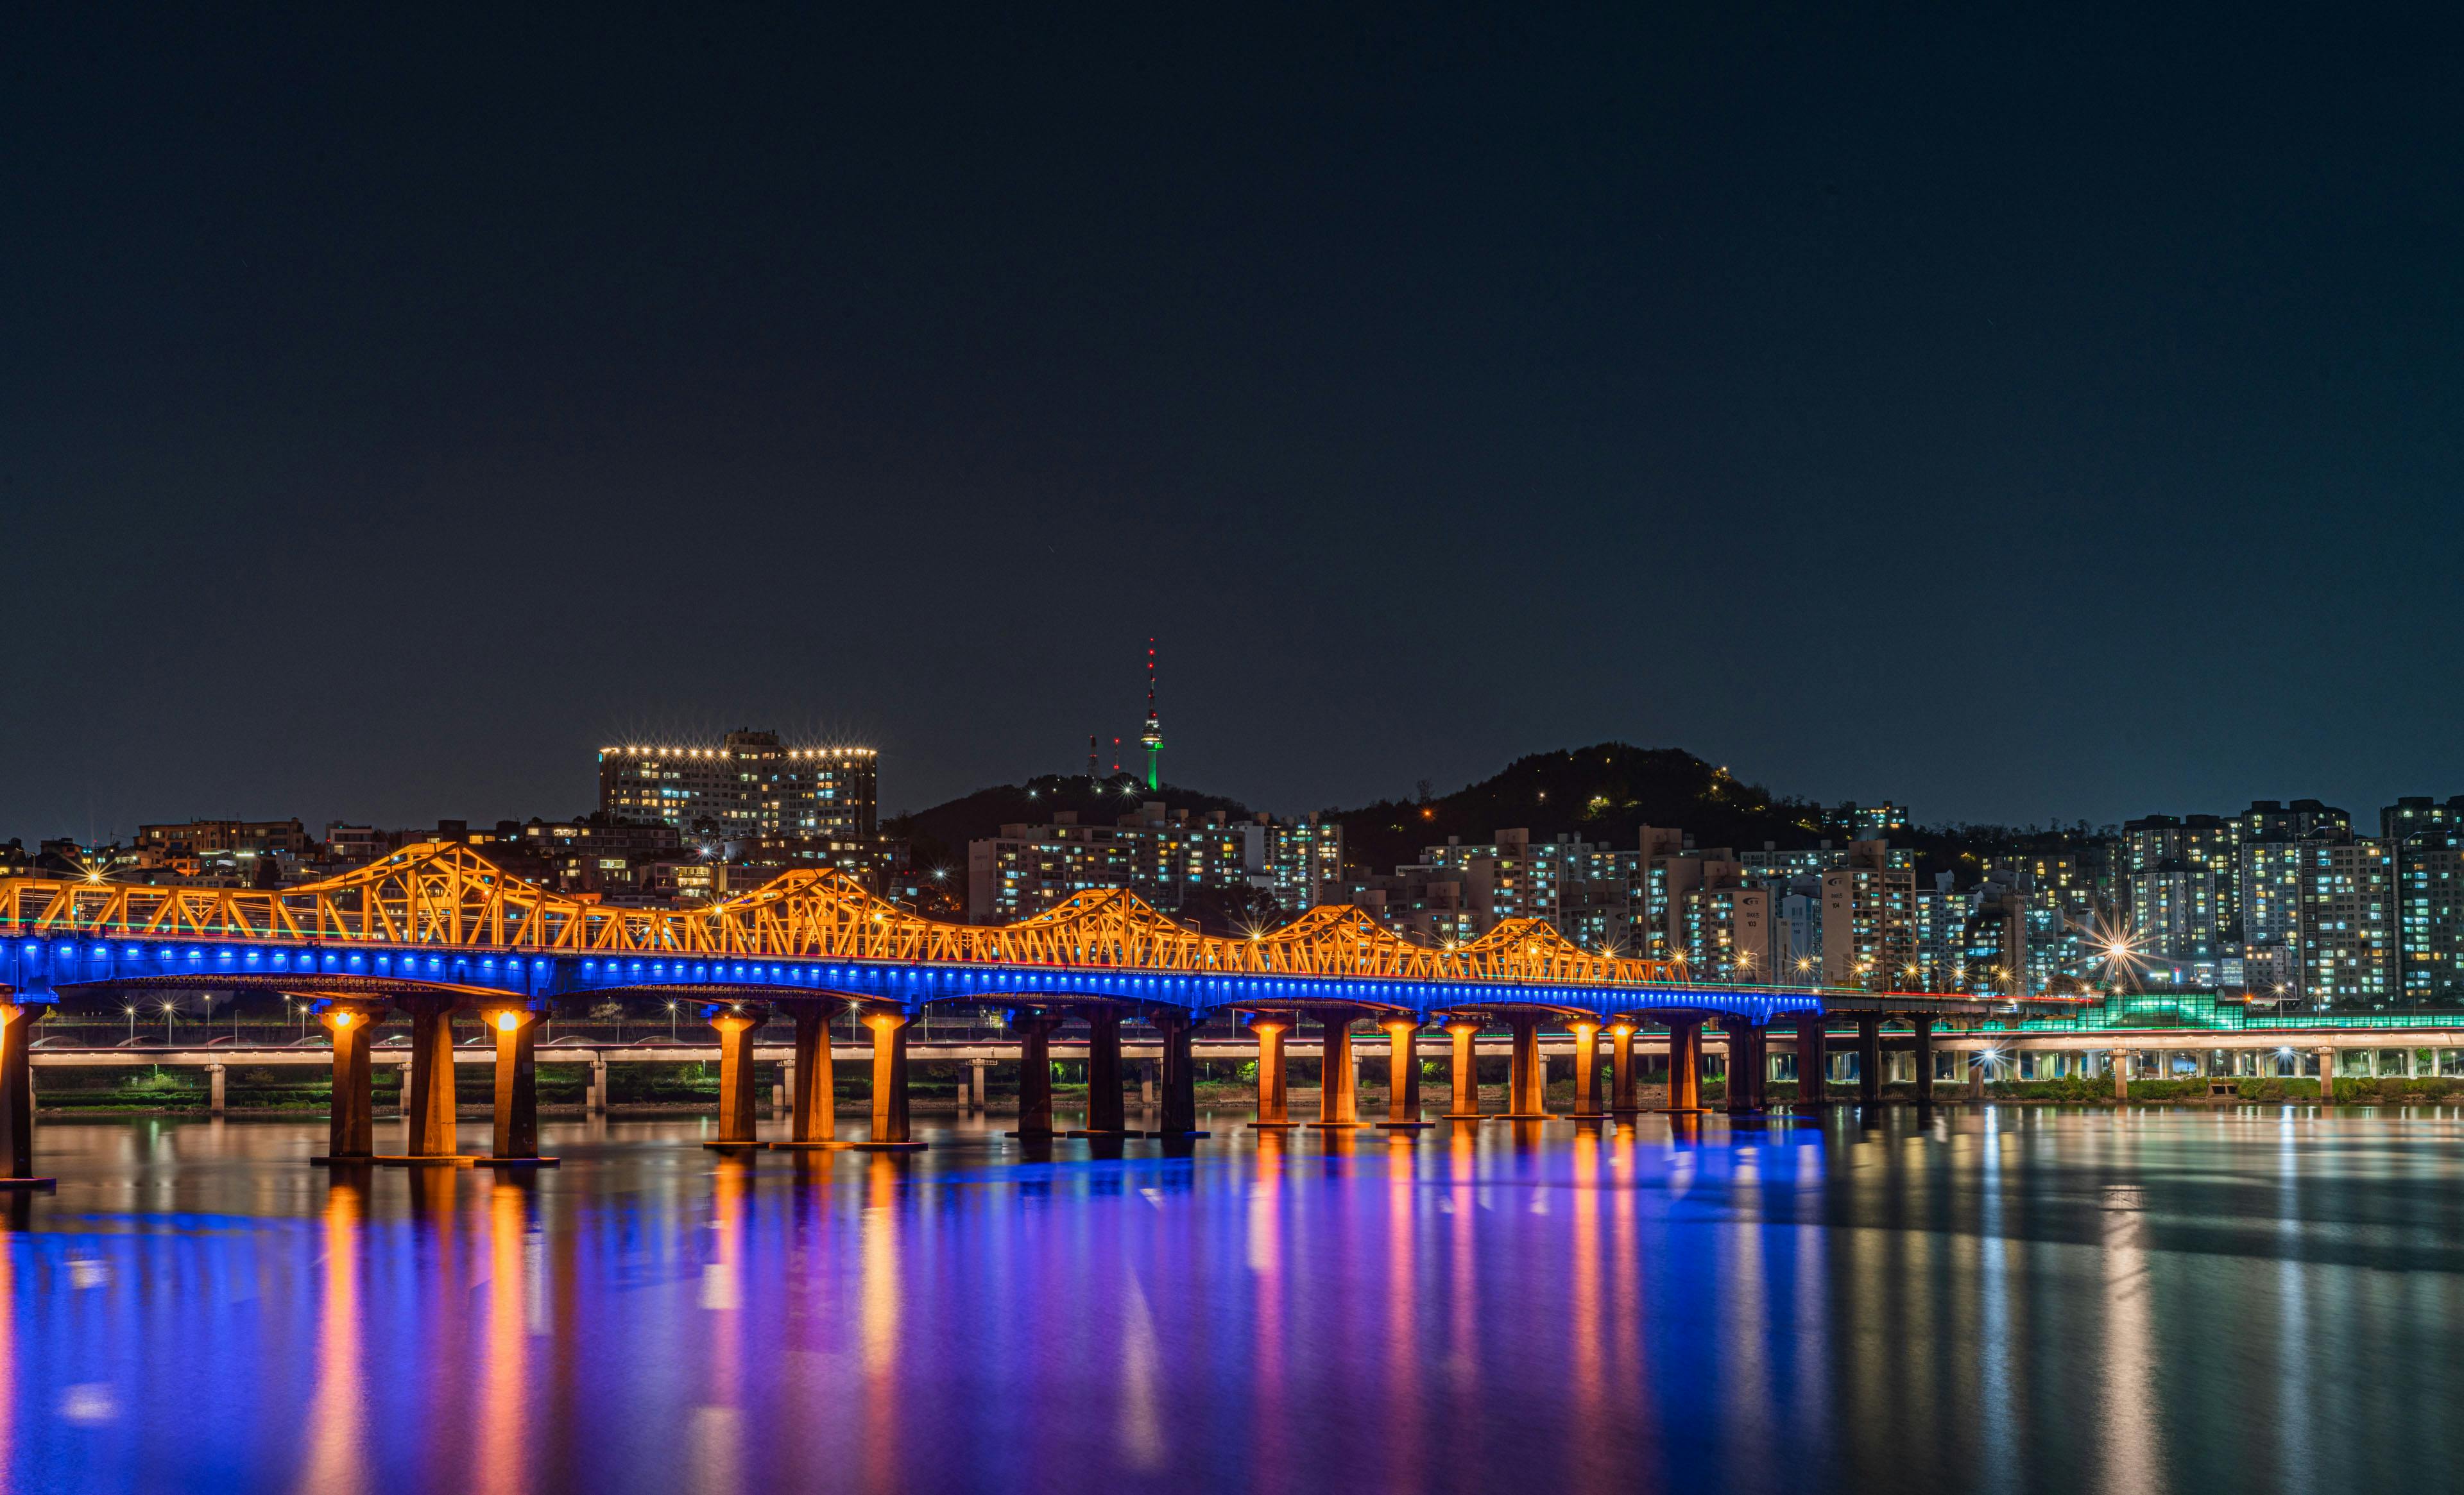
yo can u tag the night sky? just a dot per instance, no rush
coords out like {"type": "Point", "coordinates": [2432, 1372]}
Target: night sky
{"type": "Point", "coordinates": [2034, 414]}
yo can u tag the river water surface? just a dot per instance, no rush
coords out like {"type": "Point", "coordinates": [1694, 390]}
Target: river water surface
{"type": "Point", "coordinates": [1996, 1300]}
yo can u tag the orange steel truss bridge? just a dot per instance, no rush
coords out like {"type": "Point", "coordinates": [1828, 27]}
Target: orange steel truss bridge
{"type": "Point", "coordinates": [440, 917]}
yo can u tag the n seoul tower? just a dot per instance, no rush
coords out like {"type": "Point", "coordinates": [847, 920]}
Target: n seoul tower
{"type": "Point", "coordinates": [1152, 737]}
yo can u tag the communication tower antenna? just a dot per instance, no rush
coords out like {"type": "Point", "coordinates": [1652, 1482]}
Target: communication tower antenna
{"type": "Point", "coordinates": [1152, 737]}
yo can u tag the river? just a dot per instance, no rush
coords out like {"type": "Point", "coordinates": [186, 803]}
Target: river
{"type": "Point", "coordinates": [1996, 1300]}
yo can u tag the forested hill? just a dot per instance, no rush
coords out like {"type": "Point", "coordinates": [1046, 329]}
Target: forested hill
{"type": "Point", "coordinates": [1603, 792]}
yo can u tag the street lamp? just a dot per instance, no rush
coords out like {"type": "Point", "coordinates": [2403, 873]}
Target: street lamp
{"type": "Point", "coordinates": [672, 1022]}
{"type": "Point", "coordinates": [168, 1007]}
{"type": "Point", "coordinates": [132, 1022]}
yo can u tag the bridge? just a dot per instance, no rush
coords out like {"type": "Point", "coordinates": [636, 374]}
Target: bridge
{"type": "Point", "coordinates": [436, 929]}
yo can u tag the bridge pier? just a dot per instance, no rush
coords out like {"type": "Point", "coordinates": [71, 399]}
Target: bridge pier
{"type": "Point", "coordinates": [1739, 1090]}
{"type": "Point", "coordinates": [1527, 1078]}
{"type": "Point", "coordinates": [516, 1107]}
{"type": "Point", "coordinates": [1105, 1115]}
{"type": "Point", "coordinates": [1403, 1074]}
{"type": "Point", "coordinates": [1337, 1101]}
{"type": "Point", "coordinates": [1273, 1111]}
{"type": "Point", "coordinates": [1869, 1058]}
{"type": "Point", "coordinates": [1034, 1029]}
{"type": "Point", "coordinates": [1685, 1066]}
{"type": "Point", "coordinates": [17, 1020]}
{"type": "Point", "coordinates": [890, 1132]}
{"type": "Point", "coordinates": [812, 1090]}
{"type": "Point", "coordinates": [1813, 1062]}
{"type": "Point", "coordinates": [1925, 1059]}
{"type": "Point", "coordinates": [350, 1133]}
{"type": "Point", "coordinates": [1587, 1067]}
{"type": "Point", "coordinates": [1465, 1104]}
{"type": "Point", "coordinates": [735, 1110]}
{"type": "Point", "coordinates": [428, 1112]}
{"type": "Point", "coordinates": [1178, 1103]}
{"type": "Point", "coordinates": [1622, 1100]}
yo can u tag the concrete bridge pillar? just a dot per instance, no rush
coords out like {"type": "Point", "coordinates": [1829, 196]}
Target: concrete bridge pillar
{"type": "Point", "coordinates": [1622, 1067]}
{"type": "Point", "coordinates": [1034, 1029]}
{"type": "Point", "coordinates": [17, 1022]}
{"type": "Point", "coordinates": [889, 1128]}
{"type": "Point", "coordinates": [2120, 1064]}
{"type": "Point", "coordinates": [735, 1028]}
{"type": "Point", "coordinates": [215, 1093]}
{"type": "Point", "coordinates": [1813, 1062]}
{"type": "Point", "coordinates": [1526, 1079]}
{"type": "Point", "coordinates": [597, 1103]}
{"type": "Point", "coordinates": [1586, 1066]}
{"type": "Point", "coordinates": [2326, 1077]}
{"type": "Point", "coordinates": [1106, 1117]}
{"type": "Point", "coordinates": [1869, 1058]}
{"type": "Point", "coordinates": [1465, 1105]}
{"type": "Point", "coordinates": [1179, 1115]}
{"type": "Point", "coordinates": [516, 1107]}
{"type": "Point", "coordinates": [428, 1111]}
{"type": "Point", "coordinates": [1739, 1098]}
{"type": "Point", "coordinates": [1338, 1104]}
{"type": "Point", "coordinates": [1403, 1074]}
{"type": "Point", "coordinates": [1273, 1109]}
{"type": "Point", "coordinates": [975, 1069]}
{"type": "Point", "coordinates": [812, 1087]}
{"type": "Point", "coordinates": [350, 1133]}
{"type": "Point", "coordinates": [1925, 1059]}
{"type": "Point", "coordinates": [1684, 1066]}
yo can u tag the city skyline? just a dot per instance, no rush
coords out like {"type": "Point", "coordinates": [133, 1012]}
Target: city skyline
{"type": "Point", "coordinates": [584, 790]}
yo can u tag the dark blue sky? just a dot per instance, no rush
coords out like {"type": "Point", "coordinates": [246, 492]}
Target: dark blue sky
{"type": "Point", "coordinates": [2042, 413]}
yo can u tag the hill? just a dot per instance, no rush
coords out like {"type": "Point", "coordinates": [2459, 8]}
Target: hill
{"type": "Point", "coordinates": [1603, 792]}
{"type": "Point", "coordinates": [938, 836]}
{"type": "Point", "coordinates": [1607, 792]}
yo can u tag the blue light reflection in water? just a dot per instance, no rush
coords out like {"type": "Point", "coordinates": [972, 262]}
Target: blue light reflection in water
{"type": "Point", "coordinates": [2025, 1301]}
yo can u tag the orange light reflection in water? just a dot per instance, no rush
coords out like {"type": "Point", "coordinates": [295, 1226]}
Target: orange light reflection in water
{"type": "Point", "coordinates": [1268, 1414]}
{"type": "Point", "coordinates": [1592, 1469]}
{"type": "Point", "coordinates": [1402, 1314]}
{"type": "Point", "coordinates": [504, 1412]}
{"type": "Point", "coordinates": [337, 1461]}
{"type": "Point", "coordinates": [879, 1313]}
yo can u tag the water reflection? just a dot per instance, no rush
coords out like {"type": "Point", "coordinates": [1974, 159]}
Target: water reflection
{"type": "Point", "coordinates": [2033, 1301]}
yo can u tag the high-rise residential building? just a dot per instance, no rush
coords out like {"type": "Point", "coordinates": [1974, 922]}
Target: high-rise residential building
{"type": "Point", "coordinates": [1420, 902]}
{"type": "Point", "coordinates": [1797, 931]}
{"type": "Point", "coordinates": [1162, 855]}
{"type": "Point", "coordinates": [2416, 813]}
{"type": "Point", "coordinates": [1729, 934]}
{"type": "Point", "coordinates": [2430, 900]}
{"type": "Point", "coordinates": [1938, 927]}
{"type": "Point", "coordinates": [241, 838]}
{"type": "Point", "coordinates": [2173, 913]}
{"type": "Point", "coordinates": [2272, 819]}
{"type": "Point", "coordinates": [2267, 889]}
{"type": "Point", "coordinates": [1877, 821]}
{"type": "Point", "coordinates": [1586, 890]}
{"type": "Point", "coordinates": [2195, 843]}
{"type": "Point", "coordinates": [1868, 936]}
{"type": "Point", "coordinates": [1670, 869]}
{"type": "Point", "coordinates": [2079, 881]}
{"type": "Point", "coordinates": [749, 784]}
{"type": "Point", "coordinates": [1994, 944]}
{"type": "Point", "coordinates": [2348, 923]}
